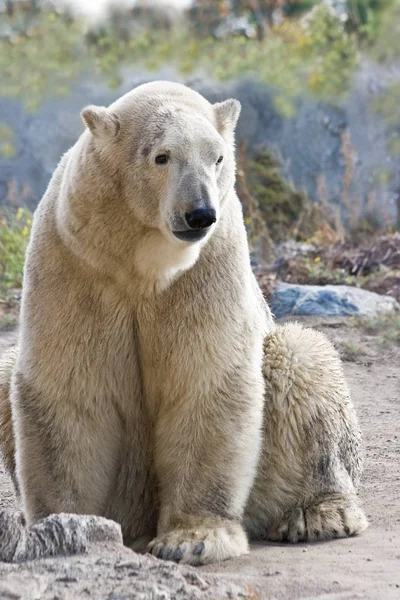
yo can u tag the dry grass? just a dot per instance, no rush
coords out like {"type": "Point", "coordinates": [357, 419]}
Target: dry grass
{"type": "Point", "coordinates": [386, 328]}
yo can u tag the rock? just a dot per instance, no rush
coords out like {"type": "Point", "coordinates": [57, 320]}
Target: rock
{"type": "Point", "coordinates": [15, 586]}
{"type": "Point", "coordinates": [109, 571]}
{"type": "Point", "coordinates": [328, 301]}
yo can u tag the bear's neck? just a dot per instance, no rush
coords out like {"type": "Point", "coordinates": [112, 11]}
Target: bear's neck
{"type": "Point", "coordinates": [159, 262]}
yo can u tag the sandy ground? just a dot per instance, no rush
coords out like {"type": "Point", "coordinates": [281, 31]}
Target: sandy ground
{"type": "Point", "coordinates": [367, 566]}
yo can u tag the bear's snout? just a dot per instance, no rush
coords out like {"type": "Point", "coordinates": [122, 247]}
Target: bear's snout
{"type": "Point", "coordinates": [201, 218]}
{"type": "Point", "coordinates": [198, 221]}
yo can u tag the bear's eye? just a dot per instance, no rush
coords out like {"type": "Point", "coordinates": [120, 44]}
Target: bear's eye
{"type": "Point", "coordinates": [220, 159]}
{"type": "Point", "coordinates": [162, 159]}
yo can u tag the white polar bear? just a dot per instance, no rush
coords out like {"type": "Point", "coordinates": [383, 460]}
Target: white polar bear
{"type": "Point", "coordinates": [137, 390]}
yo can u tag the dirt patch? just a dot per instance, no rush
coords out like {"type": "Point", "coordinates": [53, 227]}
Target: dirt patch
{"type": "Point", "coordinates": [367, 566]}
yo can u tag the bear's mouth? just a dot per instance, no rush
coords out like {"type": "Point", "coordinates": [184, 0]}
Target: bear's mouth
{"type": "Point", "coordinates": [191, 235]}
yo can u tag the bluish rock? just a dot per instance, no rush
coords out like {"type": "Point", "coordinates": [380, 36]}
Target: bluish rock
{"type": "Point", "coordinates": [328, 301]}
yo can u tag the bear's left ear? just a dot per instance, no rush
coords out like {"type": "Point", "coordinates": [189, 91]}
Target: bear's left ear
{"type": "Point", "coordinates": [100, 121]}
{"type": "Point", "coordinates": [227, 114]}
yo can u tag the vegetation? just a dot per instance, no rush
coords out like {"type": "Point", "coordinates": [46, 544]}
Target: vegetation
{"type": "Point", "coordinates": [302, 52]}
{"type": "Point", "coordinates": [314, 54]}
{"type": "Point", "coordinates": [385, 328]}
{"type": "Point", "coordinates": [14, 236]}
{"type": "Point", "coordinates": [350, 350]}
{"type": "Point", "coordinates": [7, 144]}
{"type": "Point", "coordinates": [280, 204]}
{"type": "Point", "coordinates": [29, 69]}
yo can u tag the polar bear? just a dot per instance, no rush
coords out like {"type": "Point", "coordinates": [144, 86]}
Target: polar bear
{"type": "Point", "coordinates": [137, 391]}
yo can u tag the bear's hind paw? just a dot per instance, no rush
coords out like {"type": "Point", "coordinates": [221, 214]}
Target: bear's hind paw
{"type": "Point", "coordinates": [336, 516]}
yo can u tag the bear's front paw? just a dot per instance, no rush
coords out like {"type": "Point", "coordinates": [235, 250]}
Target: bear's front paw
{"type": "Point", "coordinates": [201, 545]}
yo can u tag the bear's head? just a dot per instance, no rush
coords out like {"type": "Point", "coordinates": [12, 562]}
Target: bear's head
{"type": "Point", "coordinates": [174, 154]}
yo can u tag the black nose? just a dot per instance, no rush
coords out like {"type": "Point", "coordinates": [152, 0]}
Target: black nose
{"type": "Point", "coordinates": [201, 218]}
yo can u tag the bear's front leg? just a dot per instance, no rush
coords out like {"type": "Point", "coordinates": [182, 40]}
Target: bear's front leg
{"type": "Point", "coordinates": [206, 453]}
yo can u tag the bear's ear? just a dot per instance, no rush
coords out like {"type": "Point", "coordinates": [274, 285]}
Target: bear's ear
{"type": "Point", "coordinates": [227, 114]}
{"type": "Point", "coordinates": [100, 121]}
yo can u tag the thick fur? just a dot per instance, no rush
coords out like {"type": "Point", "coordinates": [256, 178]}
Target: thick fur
{"type": "Point", "coordinates": [311, 459]}
{"type": "Point", "coordinates": [139, 364]}
{"type": "Point", "coordinates": [137, 390]}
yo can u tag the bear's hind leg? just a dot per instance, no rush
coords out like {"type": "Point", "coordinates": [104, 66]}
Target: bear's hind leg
{"type": "Point", "coordinates": [312, 452]}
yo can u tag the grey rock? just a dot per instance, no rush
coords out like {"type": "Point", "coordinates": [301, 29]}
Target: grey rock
{"type": "Point", "coordinates": [52, 536]}
{"type": "Point", "coordinates": [328, 301]}
{"type": "Point", "coordinates": [97, 574]}
{"type": "Point", "coordinates": [16, 586]}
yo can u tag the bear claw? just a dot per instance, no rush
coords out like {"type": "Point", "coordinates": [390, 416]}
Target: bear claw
{"type": "Point", "coordinates": [199, 548]}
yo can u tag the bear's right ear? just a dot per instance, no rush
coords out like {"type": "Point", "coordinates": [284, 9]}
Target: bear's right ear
{"type": "Point", "coordinates": [100, 121]}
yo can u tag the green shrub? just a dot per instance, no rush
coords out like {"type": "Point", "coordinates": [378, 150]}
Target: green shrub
{"type": "Point", "coordinates": [279, 202]}
{"type": "Point", "coordinates": [313, 54]}
{"type": "Point", "coordinates": [14, 236]}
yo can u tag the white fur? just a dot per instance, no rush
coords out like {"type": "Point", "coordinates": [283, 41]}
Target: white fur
{"type": "Point", "coordinates": [139, 382]}
{"type": "Point", "coordinates": [139, 364]}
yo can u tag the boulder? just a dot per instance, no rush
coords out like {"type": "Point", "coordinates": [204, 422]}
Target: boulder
{"type": "Point", "coordinates": [328, 301]}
